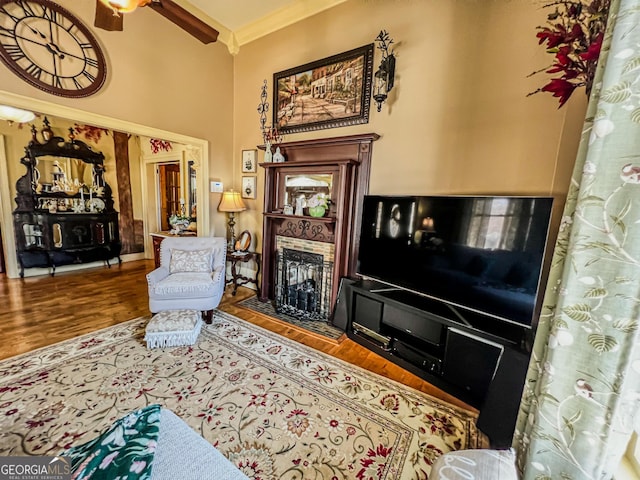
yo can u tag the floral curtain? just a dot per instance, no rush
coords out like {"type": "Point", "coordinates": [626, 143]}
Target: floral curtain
{"type": "Point", "coordinates": [581, 394]}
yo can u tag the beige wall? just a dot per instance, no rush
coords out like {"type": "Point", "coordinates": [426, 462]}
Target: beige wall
{"type": "Point", "coordinates": [458, 119]}
{"type": "Point", "coordinates": [160, 77]}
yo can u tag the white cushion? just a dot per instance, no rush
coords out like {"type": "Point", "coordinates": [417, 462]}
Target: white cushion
{"type": "Point", "coordinates": [172, 328]}
{"type": "Point", "coordinates": [185, 285]}
{"type": "Point", "coordinates": [190, 261]}
{"type": "Point", "coordinates": [475, 465]}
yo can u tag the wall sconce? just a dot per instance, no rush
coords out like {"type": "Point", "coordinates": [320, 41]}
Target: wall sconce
{"type": "Point", "coordinates": [384, 77]}
{"type": "Point", "coordinates": [231, 202]}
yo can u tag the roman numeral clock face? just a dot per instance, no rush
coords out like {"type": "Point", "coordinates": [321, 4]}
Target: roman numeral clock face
{"type": "Point", "coordinates": [50, 48]}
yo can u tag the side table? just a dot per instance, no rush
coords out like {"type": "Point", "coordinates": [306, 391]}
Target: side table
{"type": "Point", "coordinates": [236, 278]}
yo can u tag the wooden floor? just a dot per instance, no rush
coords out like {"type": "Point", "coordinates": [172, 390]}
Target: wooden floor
{"type": "Point", "coordinates": [40, 311]}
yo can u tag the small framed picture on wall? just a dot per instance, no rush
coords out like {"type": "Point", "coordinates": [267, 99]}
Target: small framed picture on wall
{"type": "Point", "coordinates": [248, 187]}
{"type": "Point", "coordinates": [249, 161]}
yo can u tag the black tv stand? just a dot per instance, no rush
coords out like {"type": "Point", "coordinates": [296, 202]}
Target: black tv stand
{"type": "Point", "coordinates": [477, 359]}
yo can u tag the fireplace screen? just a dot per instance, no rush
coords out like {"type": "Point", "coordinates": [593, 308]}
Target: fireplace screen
{"type": "Point", "coordinates": [303, 286]}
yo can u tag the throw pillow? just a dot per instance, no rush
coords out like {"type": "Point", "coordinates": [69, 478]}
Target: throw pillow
{"type": "Point", "coordinates": [190, 261]}
{"type": "Point", "coordinates": [125, 450]}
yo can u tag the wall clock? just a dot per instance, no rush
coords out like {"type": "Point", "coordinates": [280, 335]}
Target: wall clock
{"type": "Point", "coordinates": [48, 47]}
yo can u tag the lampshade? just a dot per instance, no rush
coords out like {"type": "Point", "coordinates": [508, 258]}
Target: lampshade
{"type": "Point", "coordinates": [231, 202]}
{"type": "Point", "coordinates": [15, 114]}
{"type": "Point", "coordinates": [125, 6]}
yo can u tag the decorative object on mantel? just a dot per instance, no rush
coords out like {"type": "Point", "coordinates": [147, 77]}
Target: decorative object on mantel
{"type": "Point", "coordinates": [574, 36]}
{"type": "Point", "coordinates": [278, 157]}
{"type": "Point", "coordinates": [157, 145]}
{"type": "Point", "coordinates": [270, 134]}
{"type": "Point", "coordinates": [332, 92]}
{"type": "Point", "coordinates": [318, 205]}
{"type": "Point", "coordinates": [231, 203]}
{"type": "Point", "coordinates": [384, 76]}
{"type": "Point", "coordinates": [301, 203]}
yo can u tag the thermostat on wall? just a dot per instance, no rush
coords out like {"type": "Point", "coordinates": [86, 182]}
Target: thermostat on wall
{"type": "Point", "coordinates": [216, 187]}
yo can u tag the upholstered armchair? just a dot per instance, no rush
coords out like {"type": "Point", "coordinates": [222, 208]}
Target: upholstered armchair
{"type": "Point", "coordinates": [190, 275]}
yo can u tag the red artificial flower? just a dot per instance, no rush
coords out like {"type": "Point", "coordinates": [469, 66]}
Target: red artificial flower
{"type": "Point", "coordinates": [561, 88]}
{"type": "Point", "coordinates": [593, 52]}
{"type": "Point", "coordinates": [573, 35]}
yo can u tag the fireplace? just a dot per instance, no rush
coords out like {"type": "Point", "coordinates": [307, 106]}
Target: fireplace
{"type": "Point", "coordinates": [304, 277]}
{"type": "Point", "coordinates": [304, 257]}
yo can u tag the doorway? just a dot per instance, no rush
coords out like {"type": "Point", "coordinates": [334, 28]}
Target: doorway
{"type": "Point", "coordinates": [171, 203]}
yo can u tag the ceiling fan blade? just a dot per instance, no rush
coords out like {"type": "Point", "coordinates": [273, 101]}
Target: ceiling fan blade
{"type": "Point", "coordinates": [105, 18]}
{"type": "Point", "coordinates": [185, 20]}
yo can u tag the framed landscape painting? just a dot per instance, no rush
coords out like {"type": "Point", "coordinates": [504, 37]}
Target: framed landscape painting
{"type": "Point", "coordinates": [328, 93]}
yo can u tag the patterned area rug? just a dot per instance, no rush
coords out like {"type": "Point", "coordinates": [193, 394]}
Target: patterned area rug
{"type": "Point", "coordinates": [275, 408]}
{"type": "Point", "coordinates": [315, 326]}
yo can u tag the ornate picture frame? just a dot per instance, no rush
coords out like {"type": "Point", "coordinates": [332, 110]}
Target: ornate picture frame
{"type": "Point", "coordinates": [332, 92]}
{"type": "Point", "coordinates": [249, 187]}
{"type": "Point", "coordinates": [249, 161]}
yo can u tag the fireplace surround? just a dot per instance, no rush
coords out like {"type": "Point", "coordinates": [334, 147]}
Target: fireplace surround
{"type": "Point", "coordinates": [336, 168]}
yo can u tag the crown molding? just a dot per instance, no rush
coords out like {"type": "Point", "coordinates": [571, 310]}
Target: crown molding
{"type": "Point", "coordinates": [281, 18]}
{"type": "Point", "coordinates": [270, 23]}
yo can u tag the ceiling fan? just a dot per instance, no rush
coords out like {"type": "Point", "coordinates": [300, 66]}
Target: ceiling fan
{"type": "Point", "coordinates": [109, 15]}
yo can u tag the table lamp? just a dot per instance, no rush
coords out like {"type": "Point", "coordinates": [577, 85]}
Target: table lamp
{"type": "Point", "coordinates": [231, 202]}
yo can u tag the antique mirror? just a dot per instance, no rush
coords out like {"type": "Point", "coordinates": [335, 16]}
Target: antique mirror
{"type": "Point", "coordinates": [299, 187]}
{"type": "Point", "coordinates": [243, 242]}
{"type": "Point", "coordinates": [57, 174]}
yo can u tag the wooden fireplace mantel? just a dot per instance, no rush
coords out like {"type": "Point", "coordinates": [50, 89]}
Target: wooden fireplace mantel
{"type": "Point", "coordinates": [348, 158]}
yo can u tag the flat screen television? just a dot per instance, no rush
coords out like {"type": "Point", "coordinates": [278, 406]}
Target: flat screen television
{"type": "Point", "coordinates": [481, 254]}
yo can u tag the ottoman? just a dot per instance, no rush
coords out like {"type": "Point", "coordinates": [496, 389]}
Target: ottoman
{"type": "Point", "coordinates": [173, 328]}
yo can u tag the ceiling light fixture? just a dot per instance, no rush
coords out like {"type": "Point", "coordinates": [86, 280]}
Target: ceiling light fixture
{"type": "Point", "coordinates": [125, 6]}
{"type": "Point", "coordinates": [12, 114]}
{"type": "Point", "coordinates": [384, 77]}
